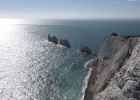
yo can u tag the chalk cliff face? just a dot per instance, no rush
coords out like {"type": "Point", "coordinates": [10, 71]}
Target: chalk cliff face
{"type": "Point", "coordinates": [117, 69]}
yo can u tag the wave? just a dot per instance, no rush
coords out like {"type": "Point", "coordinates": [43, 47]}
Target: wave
{"type": "Point", "coordinates": [85, 82]}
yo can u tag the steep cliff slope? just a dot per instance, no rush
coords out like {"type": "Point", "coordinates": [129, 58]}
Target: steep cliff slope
{"type": "Point", "coordinates": [116, 70]}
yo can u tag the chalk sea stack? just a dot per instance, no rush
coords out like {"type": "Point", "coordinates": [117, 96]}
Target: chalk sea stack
{"type": "Point", "coordinates": [86, 50]}
{"type": "Point", "coordinates": [52, 39]}
{"type": "Point", "coordinates": [65, 43]}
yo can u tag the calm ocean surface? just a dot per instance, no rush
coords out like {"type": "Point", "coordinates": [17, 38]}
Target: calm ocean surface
{"type": "Point", "coordinates": [31, 68]}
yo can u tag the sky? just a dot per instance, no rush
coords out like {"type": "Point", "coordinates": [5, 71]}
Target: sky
{"type": "Point", "coordinates": [69, 9]}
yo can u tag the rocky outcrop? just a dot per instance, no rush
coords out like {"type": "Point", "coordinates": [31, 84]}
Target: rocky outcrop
{"type": "Point", "coordinates": [114, 34]}
{"type": "Point", "coordinates": [86, 50]}
{"type": "Point", "coordinates": [52, 39]}
{"type": "Point", "coordinates": [65, 43]}
{"type": "Point", "coordinates": [117, 69]}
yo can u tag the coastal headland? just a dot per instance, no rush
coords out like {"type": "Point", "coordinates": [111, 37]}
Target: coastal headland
{"type": "Point", "coordinates": [116, 70]}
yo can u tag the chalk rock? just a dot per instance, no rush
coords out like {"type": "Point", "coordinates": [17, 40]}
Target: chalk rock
{"type": "Point", "coordinates": [65, 43]}
{"type": "Point", "coordinates": [125, 84]}
{"type": "Point", "coordinates": [86, 50]}
{"type": "Point", "coordinates": [52, 39]}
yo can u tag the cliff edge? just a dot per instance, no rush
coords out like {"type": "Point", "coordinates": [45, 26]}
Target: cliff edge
{"type": "Point", "coordinates": [116, 70]}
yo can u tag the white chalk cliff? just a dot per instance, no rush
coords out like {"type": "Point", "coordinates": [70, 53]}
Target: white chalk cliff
{"type": "Point", "coordinates": [118, 70]}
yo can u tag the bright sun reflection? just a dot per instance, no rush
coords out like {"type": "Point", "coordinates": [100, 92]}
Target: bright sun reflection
{"type": "Point", "coordinates": [4, 33]}
{"type": "Point", "coordinates": [5, 28]}
{"type": "Point", "coordinates": [8, 28]}
{"type": "Point", "coordinates": [6, 21]}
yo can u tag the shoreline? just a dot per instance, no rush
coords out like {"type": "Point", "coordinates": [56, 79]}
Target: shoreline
{"type": "Point", "coordinates": [85, 82]}
{"type": "Point", "coordinates": [88, 91]}
{"type": "Point", "coordinates": [108, 62]}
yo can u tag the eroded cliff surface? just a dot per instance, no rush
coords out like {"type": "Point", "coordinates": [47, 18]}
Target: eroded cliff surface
{"type": "Point", "coordinates": [117, 70]}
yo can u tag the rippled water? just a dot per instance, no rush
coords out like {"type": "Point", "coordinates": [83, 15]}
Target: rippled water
{"type": "Point", "coordinates": [31, 68]}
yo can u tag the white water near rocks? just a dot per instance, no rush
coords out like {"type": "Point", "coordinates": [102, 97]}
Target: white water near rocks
{"type": "Point", "coordinates": [85, 83]}
{"type": "Point", "coordinates": [31, 68]}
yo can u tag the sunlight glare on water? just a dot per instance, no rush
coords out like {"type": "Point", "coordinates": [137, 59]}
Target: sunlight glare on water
{"type": "Point", "coordinates": [15, 48]}
{"type": "Point", "coordinates": [31, 68]}
{"type": "Point", "coordinates": [12, 55]}
{"type": "Point", "coordinates": [9, 21]}
{"type": "Point", "coordinates": [4, 32]}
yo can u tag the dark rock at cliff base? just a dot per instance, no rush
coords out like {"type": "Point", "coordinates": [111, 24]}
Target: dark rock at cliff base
{"type": "Point", "coordinates": [65, 43]}
{"type": "Point", "coordinates": [52, 39]}
{"type": "Point", "coordinates": [137, 88]}
{"type": "Point", "coordinates": [86, 50]}
{"type": "Point", "coordinates": [136, 95]}
{"type": "Point", "coordinates": [114, 34]}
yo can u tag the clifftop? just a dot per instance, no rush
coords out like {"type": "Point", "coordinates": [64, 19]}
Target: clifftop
{"type": "Point", "coordinates": [112, 63]}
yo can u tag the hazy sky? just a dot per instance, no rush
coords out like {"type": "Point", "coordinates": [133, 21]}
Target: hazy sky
{"type": "Point", "coordinates": [71, 9]}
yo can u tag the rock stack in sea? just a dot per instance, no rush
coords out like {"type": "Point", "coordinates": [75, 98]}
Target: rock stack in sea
{"type": "Point", "coordinates": [52, 39]}
{"type": "Point", "coordinates": [86, 50]}
{"type": "Point", "coordinates": [63, 42]}
{"type": "Point", "coordinates": [116, 70]}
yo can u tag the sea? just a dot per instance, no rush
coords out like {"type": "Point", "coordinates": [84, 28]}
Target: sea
{"type": "Point", "coordinates": [32, 68]}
